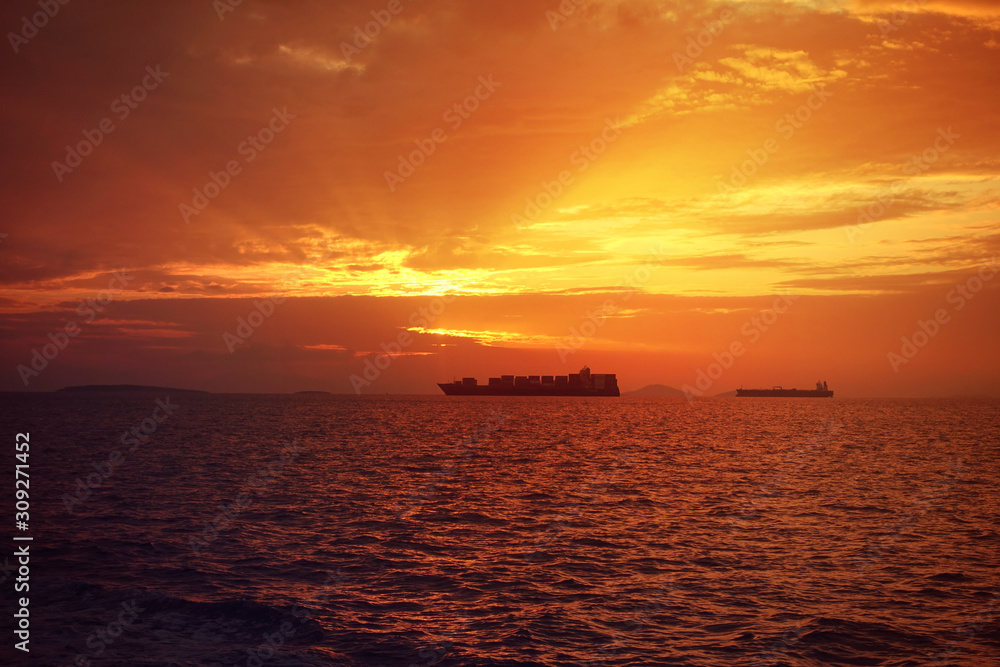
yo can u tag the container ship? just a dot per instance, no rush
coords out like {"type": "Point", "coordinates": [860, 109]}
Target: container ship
{"type": "Point", "coordinates": [583, 383]}
{"type": "Point", "coordinates": [819, 392]}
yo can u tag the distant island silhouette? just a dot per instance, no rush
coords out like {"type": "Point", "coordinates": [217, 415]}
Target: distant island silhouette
{"type": "Point", "coordinates": [141, 388]}
{"type": "Point", "coordinates": [97, 388]}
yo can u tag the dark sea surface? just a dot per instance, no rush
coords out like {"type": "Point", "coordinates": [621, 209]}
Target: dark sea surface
{"type": "Point", "coordinates": [328, 530]}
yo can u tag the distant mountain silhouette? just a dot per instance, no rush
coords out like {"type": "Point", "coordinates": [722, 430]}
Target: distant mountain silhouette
{"type": "Point", "coordinates": [312, 393]}
{"type": "Point", "coordinates": [655, 390]}
{"type": "Point", "coordinates": [95, 388]}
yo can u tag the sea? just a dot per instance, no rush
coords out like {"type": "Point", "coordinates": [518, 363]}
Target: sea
{"type": "Point", "coordinates": [174, 529]}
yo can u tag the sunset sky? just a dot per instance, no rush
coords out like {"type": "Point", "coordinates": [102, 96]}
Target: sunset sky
{"type": "Point", "coordinates": [511, 187]}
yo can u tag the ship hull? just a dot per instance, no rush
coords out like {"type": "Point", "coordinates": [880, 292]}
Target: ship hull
{"type": "Point", "coordinates": [452, 389]}
{"type": "Point", "coordinates": [785, 393]}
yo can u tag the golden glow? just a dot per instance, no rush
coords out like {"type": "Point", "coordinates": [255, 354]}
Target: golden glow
{"type": "Point", "coordinates": [835, 149]}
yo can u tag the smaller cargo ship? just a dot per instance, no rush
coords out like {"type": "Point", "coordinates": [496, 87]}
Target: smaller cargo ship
{"type": "Point", "coordinates": [575, 384]}
{"type": "Point", "coordinates": [819, 392]}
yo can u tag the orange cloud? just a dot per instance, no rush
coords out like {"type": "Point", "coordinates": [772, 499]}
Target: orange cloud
{"type": "Point", "coordinates": [723, 178]}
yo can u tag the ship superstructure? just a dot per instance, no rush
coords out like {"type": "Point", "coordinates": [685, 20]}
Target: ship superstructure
{"type": "Point", "coordinates": [820, 391]}
{"type": "Point", "coordinates": [583, 383]}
